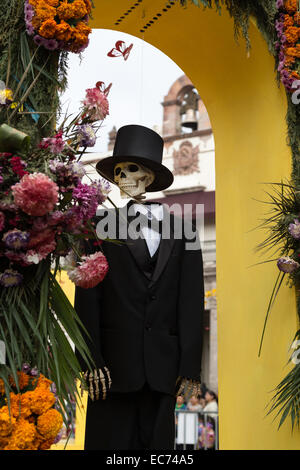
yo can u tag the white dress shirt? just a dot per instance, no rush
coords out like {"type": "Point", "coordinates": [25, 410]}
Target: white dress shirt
{"type": "Point", "coordinates": [152, 237]}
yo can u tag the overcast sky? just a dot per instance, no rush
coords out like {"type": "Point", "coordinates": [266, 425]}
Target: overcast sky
{"type": "Point", "coordinates": [139, 84]}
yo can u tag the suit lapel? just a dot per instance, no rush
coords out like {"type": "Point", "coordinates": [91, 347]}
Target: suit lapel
{"type": "Point", "coordinates": [137, 247]}
{"type": "Point", "coordinates": [165, 249]}
{"type": "Point", "coordinates": [139, 250]}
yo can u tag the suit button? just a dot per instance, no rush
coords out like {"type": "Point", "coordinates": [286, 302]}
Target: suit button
{"type": "Point", "coordinates": [148, 327]}
{"type": "Point", "coordinates": [152, 297]}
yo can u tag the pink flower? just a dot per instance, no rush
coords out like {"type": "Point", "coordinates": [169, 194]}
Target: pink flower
{"type": "Point", "coordinates": [40, 245]}
{"type": "Point", "coordinates": [55, 143]}
{"type": "Point", "coordinates": [90, 271]}
{"type": "Point", "coordinates": [96, 104]}
{"type": "Point", "coordinates": [36, 194]}
{"type": "Point", "coordinates": [40, 251]}
{"type": "Point", "coordinates": [57, 217]}
{"type": "Point", "coordinates": [40, 238]}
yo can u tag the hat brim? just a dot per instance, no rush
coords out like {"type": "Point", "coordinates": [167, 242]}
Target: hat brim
{"type": "Point", "coordinates": [163, 176]}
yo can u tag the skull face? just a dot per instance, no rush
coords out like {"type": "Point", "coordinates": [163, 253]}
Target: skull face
{"type": "Point", "coordinates": [132, 178]}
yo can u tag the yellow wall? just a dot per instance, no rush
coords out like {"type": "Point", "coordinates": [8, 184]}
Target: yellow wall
{"type": "Point", "coordinates": [247, 111]}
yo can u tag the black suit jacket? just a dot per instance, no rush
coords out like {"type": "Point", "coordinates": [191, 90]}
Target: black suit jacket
{"type": "Point", "coordinates": [143, 328]}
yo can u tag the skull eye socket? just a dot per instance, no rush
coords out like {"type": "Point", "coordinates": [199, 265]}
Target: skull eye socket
{"type": "Point", "coordinates": [117, 170]}
{"type": "Point", "coordinates": [132, 168]}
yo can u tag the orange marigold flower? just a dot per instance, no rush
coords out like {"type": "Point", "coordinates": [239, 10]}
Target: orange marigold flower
{"type": "Point", "coordinates": [297, 18]}
{"type": "Point", "coordinates": [295, 75]}
{"type": "Point", "coordinates": [43, 382]}
{"type": "Point", "coordinates": [63, 31]}
{"type": "Point", "coordinates": [288, 21]}
{"type": "Point", "coordinates": [48, 28]}
{"type": "Point", "coordinates": [7, 422]}
{"type": "Point", "coordinates": [43, 12]}
{"type": "Point", "coordinates": [88, 6]}
{"type": "Point", "coordinates": [41, 400]}
{"type": "Point", "coordinates": [292, 34]}
{"type": "Point", "coordinates": [2, 387]}
{"type": "Point", "coordinates": [52, 3]}
{"type": "Point", "coordinates": [22, 436]}
{"type": "Point", "coordinates": [65, 11]}
{"type": "Point", "coordinates": [82, 28]}
{"type": "Point", "coordinates": [23, 380]}
{"type": "Point", "coordinates": [45, 445]}
{"type": "Point", "coordinates": [79, 9]}
{"type": "Point", "coordinates": [289, 60]}
{"type": "Point", "coordinates": [293, 51]}
{"type": "Point", "coordinates": [50, 423]}
{"type": "Point", "coordinates": [20, 405]}
{"type": "Point", "coordinates": [3, 442]}
{"type": "Point", "coordinates": [291, 5]}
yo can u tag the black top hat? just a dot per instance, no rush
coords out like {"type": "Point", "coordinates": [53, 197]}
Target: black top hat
{"type": "Point", "coordinates": [141, 145]}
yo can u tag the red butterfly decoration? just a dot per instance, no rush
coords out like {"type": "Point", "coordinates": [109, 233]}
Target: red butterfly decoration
{"type": "Point", "coordinates": [120, 49]}
{"type": "Point", "coordinates": [102, 87]}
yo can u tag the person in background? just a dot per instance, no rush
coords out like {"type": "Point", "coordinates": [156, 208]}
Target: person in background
{"type": "Point", "coordinates": [194, 404]}
{"type": "Point", "coordinates": [211, 407]}
{"type": "Point", "coordinates": [180, 405]}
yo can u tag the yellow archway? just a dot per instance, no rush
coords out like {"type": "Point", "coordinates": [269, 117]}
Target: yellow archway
{"type": "Point", "coordinates": [247, 111]}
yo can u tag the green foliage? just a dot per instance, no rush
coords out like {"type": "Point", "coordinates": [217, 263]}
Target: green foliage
{"type": "Point", "coordinates": [34, 319]}
{"type": "Point", "coordinates": [35, 76]}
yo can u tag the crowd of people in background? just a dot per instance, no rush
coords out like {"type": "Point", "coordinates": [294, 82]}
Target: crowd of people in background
{"type": "Point", "coordinates": [197, 421]}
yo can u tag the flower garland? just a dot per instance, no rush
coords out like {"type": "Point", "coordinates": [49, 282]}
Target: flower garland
{"type": "Point", "coordinates": [42, 213]}
{"type": "Point", "coordinates": [29, 419]}
{"type": "Point", "coordinates": [288, 45]}
{"type": "Point", "coordinates": [59, 24]}
{"type": "Point", "coordinates": [45, 212]}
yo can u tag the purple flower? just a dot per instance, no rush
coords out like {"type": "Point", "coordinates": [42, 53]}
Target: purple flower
{"type": "Point", "coordinates": [50, 44]}
{"type": "Point", "coordinates": [86, 135]}
{"type": "Point", "coordinates": [58, 437]}
{"type": "Point", "coordinates": [25, 367]}
{"type": "Point", "coordinates": [38, 40]}
{"type": "Point", "coordinates": [10, 278]}
{"type": "Point", "coordinates": [279, 26]}
{"type": "Point", "coordinates": [77, 170]}
{"type": "Point", "coordinates": [16, 239]}
{"type": "Point", "coordinates": [294, 229]}
{"type": "Point", "coordinates": [29, 29]}
{"type": "Point", "coordinates": [103, 189]}
{"type": "Point", "coordinates": [34, 372]}
{"type": "Point", "coordinates": [86, 197]}
{"type": "Point", "coordinates": [53, 388]}
{"type": "Point", "coordinates": [29, 15]}
{"type": "Point", "coordinates": [287, 265]}
{"type": "Point", "coordinates": [279, 4]}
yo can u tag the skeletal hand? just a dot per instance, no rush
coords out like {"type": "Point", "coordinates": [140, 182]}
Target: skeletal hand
{"type": "Point", "coordinates": [98, 383]}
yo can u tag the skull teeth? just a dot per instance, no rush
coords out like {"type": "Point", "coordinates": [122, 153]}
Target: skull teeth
{"type": "Point", "coordinates": [127, 185]}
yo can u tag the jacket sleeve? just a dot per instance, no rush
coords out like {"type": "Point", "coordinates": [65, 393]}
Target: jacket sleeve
{"type": "Point", "coordinates": [87, 306]}
{"type": "Point", "coordinates": [191, 312]}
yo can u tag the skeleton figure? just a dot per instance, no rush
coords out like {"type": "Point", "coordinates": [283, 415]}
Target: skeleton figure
{"type": "Point", "coordinates": [132, 179]}
{"type": "Point", "coordinates": [144, 321]}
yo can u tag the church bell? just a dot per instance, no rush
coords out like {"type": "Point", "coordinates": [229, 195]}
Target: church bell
{"type": "Point", "coordinates": [190, 119]}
